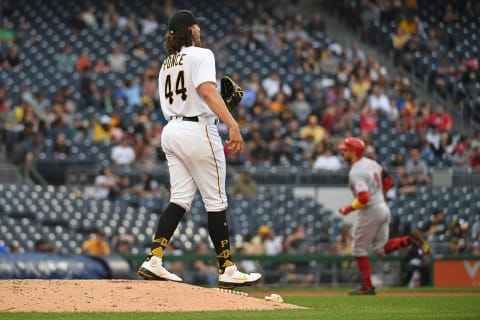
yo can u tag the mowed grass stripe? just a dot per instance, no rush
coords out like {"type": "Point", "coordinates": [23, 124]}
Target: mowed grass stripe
{"type": "Point", "coordinates": [330, 307]}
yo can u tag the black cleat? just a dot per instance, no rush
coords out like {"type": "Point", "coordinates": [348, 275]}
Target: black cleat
{"type": "Point", "coordinates": [362, 291]}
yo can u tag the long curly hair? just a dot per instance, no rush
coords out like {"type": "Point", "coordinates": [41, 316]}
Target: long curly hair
{"type": "Point", "coordinates": [175, 42]}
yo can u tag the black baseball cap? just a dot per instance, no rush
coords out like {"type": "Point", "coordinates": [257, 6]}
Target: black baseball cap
{"type": "Point", "coordinates": [182, 19]}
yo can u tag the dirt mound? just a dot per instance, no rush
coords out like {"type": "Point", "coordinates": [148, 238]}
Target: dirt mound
{"type": "Point", "coordinates": [122, 296]}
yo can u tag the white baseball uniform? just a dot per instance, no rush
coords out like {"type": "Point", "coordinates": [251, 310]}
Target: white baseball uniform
{"type": "Point", "coordinates": [190, 140]}
{"type": "Point", "coordinates": [372, 226]}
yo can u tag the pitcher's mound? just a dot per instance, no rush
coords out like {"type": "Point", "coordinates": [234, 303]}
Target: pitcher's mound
{"type": "Point", "coordinates": [122, 296]}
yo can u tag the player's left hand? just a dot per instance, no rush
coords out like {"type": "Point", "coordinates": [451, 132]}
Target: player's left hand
{"type": "Point", "coordinates": [345, 210]}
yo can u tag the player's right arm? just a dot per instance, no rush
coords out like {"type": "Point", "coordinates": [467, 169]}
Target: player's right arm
{"type": "Point", "coordinates": [362, 195]}
{"type": "Point", "coordinates": [210, 95]}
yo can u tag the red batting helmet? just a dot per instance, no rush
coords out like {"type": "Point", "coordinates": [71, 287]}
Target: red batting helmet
{"type": "Point", "coordinates": [354, 144]}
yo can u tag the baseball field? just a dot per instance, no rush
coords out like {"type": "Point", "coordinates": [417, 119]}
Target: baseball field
{"type": "Point", "coordinates": [139, 300]}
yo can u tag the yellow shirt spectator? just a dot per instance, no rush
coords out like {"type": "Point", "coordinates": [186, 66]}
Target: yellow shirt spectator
{"type": "Point", "coordinates": [97, 245]}
{"type": "Point", "coordinates": [314, 130]}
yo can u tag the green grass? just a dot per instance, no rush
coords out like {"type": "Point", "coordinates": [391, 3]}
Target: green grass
{"type": "Point", "coordinates": [321, 307]}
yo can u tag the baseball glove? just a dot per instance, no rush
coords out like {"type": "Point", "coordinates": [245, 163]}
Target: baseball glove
{"type": "Point", "coordinates": [231, 92]}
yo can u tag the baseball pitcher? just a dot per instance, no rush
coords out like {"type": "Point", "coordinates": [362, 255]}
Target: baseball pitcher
{"type": "Point", "coordinates": [193, 146]}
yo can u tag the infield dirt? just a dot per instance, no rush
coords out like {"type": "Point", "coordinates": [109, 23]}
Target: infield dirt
{"type": "Point", "coordinates": [122, 296]}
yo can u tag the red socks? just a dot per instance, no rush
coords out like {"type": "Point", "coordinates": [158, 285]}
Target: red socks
{"type": "Point", "coordinates": [363, 265]}
{"type": "Point", "coordinates": [396, 243]}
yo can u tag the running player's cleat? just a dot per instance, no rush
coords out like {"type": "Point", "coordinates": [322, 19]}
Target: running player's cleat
{"type": "Point", "coordinates": [362, 291]}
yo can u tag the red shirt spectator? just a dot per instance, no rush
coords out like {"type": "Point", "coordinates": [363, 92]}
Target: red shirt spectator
{"type": "Point", "coordinates": [475, 158]}
{"type": "Point", "coordinates": [441, 120]}
{"type": "Point", "coordinates": [368, 120]}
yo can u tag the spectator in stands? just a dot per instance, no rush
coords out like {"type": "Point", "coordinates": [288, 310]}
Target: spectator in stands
{"type": "Point", "coordinates": [316, 25]}
{"type": "Point", "coordinates": [378, 100]}
{"type": "Point", "coordinates": [404, 184]}
{"type": "Point", "coordinates": [112, 20]}
{"type": "Point", "coordinates": [300, 106]}
{"type": "Point", "coordinates": [76, 23]}
{"type": "Point", "coordinates": [436, 226]}
{"type": "Point", "coordinates": [278, 103]}
{"type": "Point", "coordinates": [41, 105]}
{"type": "Point", "coordinates": [148, 158]}
{"type": "Point", "coordinates": [273, 84]}
{"type": "Point", "coordinates": [149, 24]}
{"type": "Point", "coordinates": [457, 236]}
{"type": "Point", "coordinates": [138, 50]}
{"type": "Point", "coordinates": [327, 161]}
{"type": "Point", "coordinates": [416, 168]}
{"type": "Point", "coordinates": [117, 61]}
{"type": "Point", "coordinates": [107, 184]}
{"type": "Point", "coordinates": [122, 243]}
{"type": "Point", "coordinates": [268, 243]}
{"type": "Point", "coordinates": [368, 119]}
{"type": "Point", "coordinates": [132, 23]}
{"type": "Point", "coordinates": [475, 158]}
{"type": "Point", "coordinates": [66, 60]}
{"type": "Point", "coordinates": [101, 66]}
{"type": "Point", "coordinates": [61, 149]}
{"type": "Point", "coordinates": [355, 54]}
{"type": "Point", "coordinates": [245, 185]}
{"type": "Point", "coordinates": [360, 83]}
{"type": "Point", "coordinates": [83, 62]}
{"type": "Point", "coordinates": [7, 34]}
{"type": "Point", "coordinates": [123, 153]}
{"type": "Point", "coordinates": [12, 59]}
{"type": "Point", "coordinates": [408, 24]}
{"type": "Point", "coordinates": [461, 152]}
{"type": "Point", "coordinates": [450, 15]}
{"type": "Point", "coordinates": [101, 129]}
{"type": "Point", "coordinates": [440, 119]}
{"type": "Point", "coordinates": [444, 74]}
{"type": "Point", "coordinates": [28, 151]}
{"type": "Point", "coordinates": [132, 91]}
{"type": "Point", "coordinates": [398, 161]}
{"type": "Point", "coordinates": [314, 129]}
{"type": "Point", "coordinates": [96, 246]}
{"type": "Point", "coordinates": [89, 93]}
{"type": "Point", "coordinates": [369, 14]}
{"type": "Point", "coordinates": [421, 117]}
{"type": "Point", "coordinates": [89, 18]}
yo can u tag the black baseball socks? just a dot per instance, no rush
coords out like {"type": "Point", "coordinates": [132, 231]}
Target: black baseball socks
{"type": "Point", "coordinates": [167, 224]}
{"type": "Point", "coordinates": [218, 229]}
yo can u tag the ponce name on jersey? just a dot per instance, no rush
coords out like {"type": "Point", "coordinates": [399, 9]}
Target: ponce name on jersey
{"type": "Point", "coordinates": [173, 60]}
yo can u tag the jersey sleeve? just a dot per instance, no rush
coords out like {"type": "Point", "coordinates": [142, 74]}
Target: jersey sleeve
{"type": "Point", "coordinates": [358, 183]}
{"type": "Point", "coordinates": [204, 68]}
